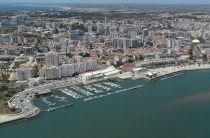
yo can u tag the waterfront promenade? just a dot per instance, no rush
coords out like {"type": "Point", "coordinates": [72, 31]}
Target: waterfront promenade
{"type": "Point", "coordinates": [170, 70]}
{"type": "Point", "coordinates": [23, 100]}
{"type": "Point", "coordinates": [11, 117]}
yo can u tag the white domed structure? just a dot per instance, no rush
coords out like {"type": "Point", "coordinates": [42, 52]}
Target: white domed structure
{"type": "Point", "coordinates": [196, 41]}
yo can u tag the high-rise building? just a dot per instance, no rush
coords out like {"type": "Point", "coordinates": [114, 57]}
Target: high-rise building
{"type": "Point", "coordinates": [66, 70]}
{"type": "Point", "coordinates": [145, 32]}
{"type": "Point", "coordinates": [52, 59]}
{"type": "Point", "coordinates": [24, 73]}
{"type": "Point", "coordinates": [22, 28]}
{"type": "Point", "coordinates": [175, 44]}
{"type": "Point", "coordinates": [77, 35]}
{"type": "Point", "coordinates": [82, 67]}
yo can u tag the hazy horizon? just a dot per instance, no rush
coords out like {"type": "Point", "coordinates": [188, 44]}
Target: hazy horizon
{"type": "Point", "coordinates": [111, 1]}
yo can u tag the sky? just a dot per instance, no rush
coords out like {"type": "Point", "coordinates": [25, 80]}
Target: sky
{"type": "Point", "coordinates": [118, 1]}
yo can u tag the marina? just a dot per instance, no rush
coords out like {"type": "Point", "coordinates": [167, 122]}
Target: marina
{"type": "Point", "coordinates": [44, 99]}
{"type": "Point", "coordinates": [54, 102]}
{"type": "Point", "coordinates": [94, 88]}
{"type": "Point", "coordinates": [134, 108]}
{"type": "Point", "coordinates": [78, 89]}
{"type": "Point", "coordinates": [113, 84]}
{"type": "Point", "coordinates": [71, 93]}
{"type": "Point", "coordinates": [59, 107]}
{"type": "Point", "coordinates": [71, 89]}
{"type": "Point", "coordinates": [103, 87]}
{"type": "Point", "coordinates": [104, 69]}
{"type": "Point", "coordinates": [83, 93]}
{"type": "Point", "coordinates": [111, 93]}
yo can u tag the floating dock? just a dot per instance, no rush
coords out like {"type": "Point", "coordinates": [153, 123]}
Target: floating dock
{"type": "Point", "coordinates": [56, 108]}
{"type": "Point", "coordinates": [71, 93]}
{"type": "Point", "coordinates": [119, 91]}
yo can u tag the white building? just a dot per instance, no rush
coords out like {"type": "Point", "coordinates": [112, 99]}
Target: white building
{"type": "Point", "coordinates": [66, 70]}
{"type": "Point", "coordinates": [82, 67]}
{"type": "Point", "coordinates": [99, 74]}
{"type": "Point", "coordinates": [175, 44]}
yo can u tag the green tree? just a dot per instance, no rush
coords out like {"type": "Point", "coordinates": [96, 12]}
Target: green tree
{"type": "Point", "coordinates": [76, 26]}
{"type": "Point", "coordinates": [201, 39]}
{"type": "Point", "coordinates": [150, 43]}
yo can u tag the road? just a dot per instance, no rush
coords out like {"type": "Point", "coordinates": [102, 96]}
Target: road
{"type": "Point", "coordinates": [23, 100]}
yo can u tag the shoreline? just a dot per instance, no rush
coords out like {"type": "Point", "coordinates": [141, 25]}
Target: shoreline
{"type": "Point", "coordinates": [9, 118]}
{"type": "Point", "coordinates": [161, 72]}
{"type": "Point", "coordinates": [17, 119]}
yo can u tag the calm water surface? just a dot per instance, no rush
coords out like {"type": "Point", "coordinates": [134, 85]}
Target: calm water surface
{"type": "Point", "coordinates": [174, 108]}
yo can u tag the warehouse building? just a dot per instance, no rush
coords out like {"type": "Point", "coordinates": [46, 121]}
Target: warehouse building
{"type": "Point", "coordinates": [99, 74]}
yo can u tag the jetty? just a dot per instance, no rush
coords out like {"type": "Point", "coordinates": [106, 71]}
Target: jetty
{"type": "Point", "coordinates": [111, 93]}
{"type": "Point", "coordinates": [71, 93]}
{"type": "Point", "coordinates": [163, 72]}
{"type": "Point", "coordinates": [59, 107]}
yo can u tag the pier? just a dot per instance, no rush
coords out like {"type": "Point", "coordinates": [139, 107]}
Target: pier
{"type": "Point", "coordinates": [111, 93]}
{"type": "Point", "coordinates": [71, 93]}
{"type": "Point", "coordinates": [86, 93]}
{"type": "Point", "coordinates": [172, 75]}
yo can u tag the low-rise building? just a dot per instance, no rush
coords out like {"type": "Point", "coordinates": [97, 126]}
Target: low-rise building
{"type": "Point", "coordinates": [99, 74]}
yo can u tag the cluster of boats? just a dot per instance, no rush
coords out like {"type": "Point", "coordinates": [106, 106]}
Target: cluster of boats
{"type": "Point", "coordinates": [46, 101]}
{"type": "Point", "coordinates": [71, 93]}
{"type": "Point", "coordinates": [56, 99]}
{"type": "Point", "coordinates": [96, 91]}
{"type": "Point", "coordinates": [93, 89]}
{"type": "Point", "coordinates": [113, 85]}
{"type": "Point", "coordinates": [55, 108]}
{"type": "Point", "coordinates": [60, 99]}
{"type": "Point", "coordinates": [89, 92]}
{"type": "Point", "coordinates": [111, 93]}
{"type": "Point", "coordinates": [103, 87]}
{"type": "Point", "coordinates": [78, 89]}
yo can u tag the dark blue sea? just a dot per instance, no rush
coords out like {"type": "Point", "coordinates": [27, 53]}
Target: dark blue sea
{"type": "Point", "coordinates": [175, 108]}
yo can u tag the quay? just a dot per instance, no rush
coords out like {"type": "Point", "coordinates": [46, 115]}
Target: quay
{"type": "Point", "coordinates": [164, 72]}
{"type": "Point", "coordinates": [172, 75]}
{"type": "Point", "coordinates": [8, 118]}
{"type": "Point", "coordinates": [23, 100]}
{"type": "Point", "coordinates": [165, 76]}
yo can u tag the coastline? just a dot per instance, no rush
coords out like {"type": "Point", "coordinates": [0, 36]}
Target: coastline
{"type": "Point", "coordinates": [7, 118]}
{"type": "Point", "coordinates": [161, 72]}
